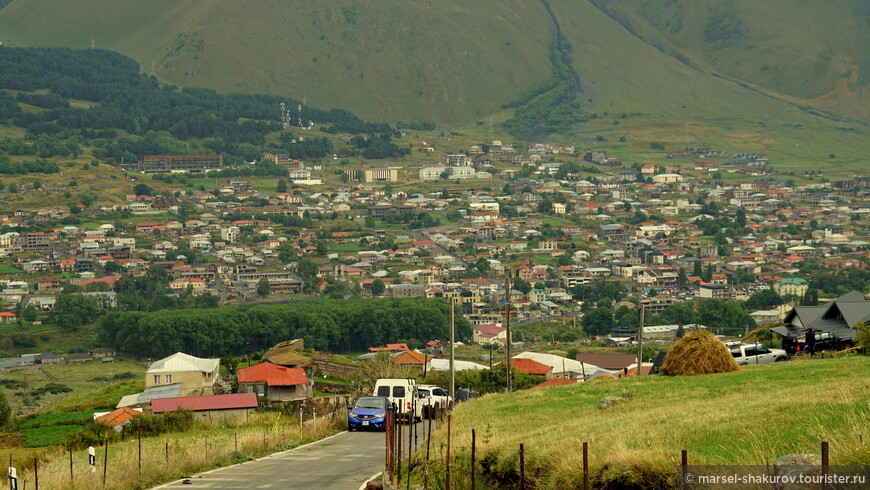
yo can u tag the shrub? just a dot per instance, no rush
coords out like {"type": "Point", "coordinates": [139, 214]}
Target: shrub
{"type": "Point", "coordinates": [92, 434]}
{"type": "Point", "coordinates": [53, 388]}
{"type": "Point", "coordinates": [152, 425]}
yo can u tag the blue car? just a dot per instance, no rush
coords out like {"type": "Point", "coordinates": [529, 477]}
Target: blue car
{"type": "Point", "coordinates": [369, 412]}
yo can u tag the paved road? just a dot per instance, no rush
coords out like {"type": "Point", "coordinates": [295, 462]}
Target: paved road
{"type": "Point", "coordinates": [344, 461]}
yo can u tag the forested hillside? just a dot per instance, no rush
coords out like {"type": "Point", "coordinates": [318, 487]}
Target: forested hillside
{"type": "Point", "coordinates": [127, 115]}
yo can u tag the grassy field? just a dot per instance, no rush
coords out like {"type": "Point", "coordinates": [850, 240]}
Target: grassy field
{"type": "Point", "coordinates": [206, 447]}
{"type": "Point", "coordinates": [86, 381]}
{"type": "Point", "coordinates": [48, 337]}
{"type": "Point", "coordinates": [748, 417]}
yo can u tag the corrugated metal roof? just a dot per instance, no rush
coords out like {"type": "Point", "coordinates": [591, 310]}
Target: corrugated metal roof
{"type": "Point", "coordinates": [181, 362]}
{"type": "Point", "coordinates": [273, 375]}
{"type": "Point", "coordinates": [163, 391]}
{"type": "Point", "coordinates": [610, 360]}
{"type": "Point", "coordinates": [210, 402]}
{"type": "Point", "coordinates": [853, 311]}
{"type": "Point", "coordinates": [558, 363]}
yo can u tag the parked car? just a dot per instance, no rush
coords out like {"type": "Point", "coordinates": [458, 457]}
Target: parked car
{"type": "Point", "coordinates": [403, 394]}
{"type": "Point", "coordinates": [465, 394]}
{"type": "Point", "coordinates": [824, 341]}
{"type": "Point", "coordinates": [435, 397]}
{"type": "Point", "coordinates": [755, 354]}
{"type": "Point", "coordinates": [369, 412]}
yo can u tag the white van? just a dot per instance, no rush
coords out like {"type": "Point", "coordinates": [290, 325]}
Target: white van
{"type": "Point", "coordinates": [402, 392]}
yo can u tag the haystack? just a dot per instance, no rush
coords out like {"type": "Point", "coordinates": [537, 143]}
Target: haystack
{"type": "Point", "coordinates": [603, 377]}
{"type": "Point", "coordinates": [698, 353]}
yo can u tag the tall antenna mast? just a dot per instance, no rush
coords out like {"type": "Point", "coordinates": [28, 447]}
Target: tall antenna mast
{"type": "Point", "coordinates": [285, 116]}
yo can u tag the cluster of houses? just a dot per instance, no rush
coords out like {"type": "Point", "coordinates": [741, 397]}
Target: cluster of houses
{"type": "Point", "coordinates": [644, 226]}
{"type": "Point", "coordinates": [182, 381]}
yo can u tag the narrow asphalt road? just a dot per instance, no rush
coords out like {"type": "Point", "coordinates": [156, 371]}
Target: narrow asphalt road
{"type": "Point", "coordinates": [344, 461]}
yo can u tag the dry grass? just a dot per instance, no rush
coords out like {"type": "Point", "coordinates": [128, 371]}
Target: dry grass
{"type": "Point", "coordinates": [603, 377]}
{"type": "Point", "coordinates": [699, 353]}
{"type": "Point", "coordinates": [192, 452]}
{"type": "Point", "coordinates": [752, 416]}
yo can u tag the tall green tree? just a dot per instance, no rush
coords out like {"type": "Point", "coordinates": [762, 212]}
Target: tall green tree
{"type": "Point", "coordinates": [378, 287]}
{"type": "Point", "coordinates": [263, 287]}
{"type": "Point", "coordinates": [740, 218]}
{"type": "Point", "coordinates": [74, 310]}
{"type": "Point", "coordinates": [598, 321]}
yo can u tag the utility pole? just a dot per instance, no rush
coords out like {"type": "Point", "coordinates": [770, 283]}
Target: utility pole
{"type": "Point", "coordinates": [507, 321]}
{"type": "Point", "coordinates": [452, 343]}
{"type": "Point", "coordinates": [640, 341]}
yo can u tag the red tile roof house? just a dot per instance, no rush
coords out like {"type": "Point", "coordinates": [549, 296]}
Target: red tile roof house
{"type": "Point", "coordinates": [531, 366]}
{"type": "Point", "coordinates": [274, 383]}
{"type": "Point", "coordinates": [218, 408]}
{"type": "Point", "coordinates": [118, 418]}
{"type": "Point", "coordinates": [390, 348]}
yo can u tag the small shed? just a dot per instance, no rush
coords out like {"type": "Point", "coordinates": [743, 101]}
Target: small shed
{"type": "Point", "coordinates": [275, 383]}
{"type": "Point", "coordinates": [232, 406]}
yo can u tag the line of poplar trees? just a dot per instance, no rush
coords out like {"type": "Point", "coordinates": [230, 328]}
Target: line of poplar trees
{"type": "Point", "coordinates": [345, 325]}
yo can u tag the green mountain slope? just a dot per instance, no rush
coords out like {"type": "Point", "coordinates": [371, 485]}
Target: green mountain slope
{"type": "Point", "coordinates": [814, 53]}
{"type": "Point", "coordinates": [386, 59]}
{"type": "Point", "coordinates": [453, 61]}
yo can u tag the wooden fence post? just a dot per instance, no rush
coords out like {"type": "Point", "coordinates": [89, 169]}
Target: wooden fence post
{"type": "Point", "coordinates": [447, 466]}
{"type": "Point", "coordinates": [105, 462]}
{"type": "Point", "coordinates": [684, 465]}
{"type": "Point", "coordinates": [824, 465]}
{"type": "Point", "coordinates": [522, 466]}
{"type": "Point", "coordinates": [399, 445]}
{"type": "Point", "coordinates": [585, 466]}
{"type": "Point", "coordinates": [473, 444]}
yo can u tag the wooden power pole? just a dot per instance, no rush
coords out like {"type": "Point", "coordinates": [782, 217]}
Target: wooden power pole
{"type": "Point", "coordinates": [640, 341]}
{"type": "Point", "coordinates": [507, 321]}
{"type": "Point", "coordinates": [452, 344]}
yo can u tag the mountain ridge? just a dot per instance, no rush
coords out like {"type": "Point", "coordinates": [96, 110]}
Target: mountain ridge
{"type": "Point", "coordinates": [448, 62]}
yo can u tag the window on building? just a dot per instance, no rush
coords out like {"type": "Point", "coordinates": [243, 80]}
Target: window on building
{"type": "Point", "coordinates": [261, 389]}
{"type": "Point", "coordinates": [168, 379]}
{"type": "Point", "coordinates": [157, 379]}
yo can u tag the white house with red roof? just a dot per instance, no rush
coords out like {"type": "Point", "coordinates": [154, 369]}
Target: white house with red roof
{"type": "Point", "coordinates": [489, 333]}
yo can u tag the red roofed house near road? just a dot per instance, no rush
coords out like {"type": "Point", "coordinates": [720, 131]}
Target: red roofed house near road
{"type": "Point", "coordinates": [531, 366]}
{"type": "Point", "coordinates": [211, 407]}
{"type": "Point", "coordinates": [274, 383]}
